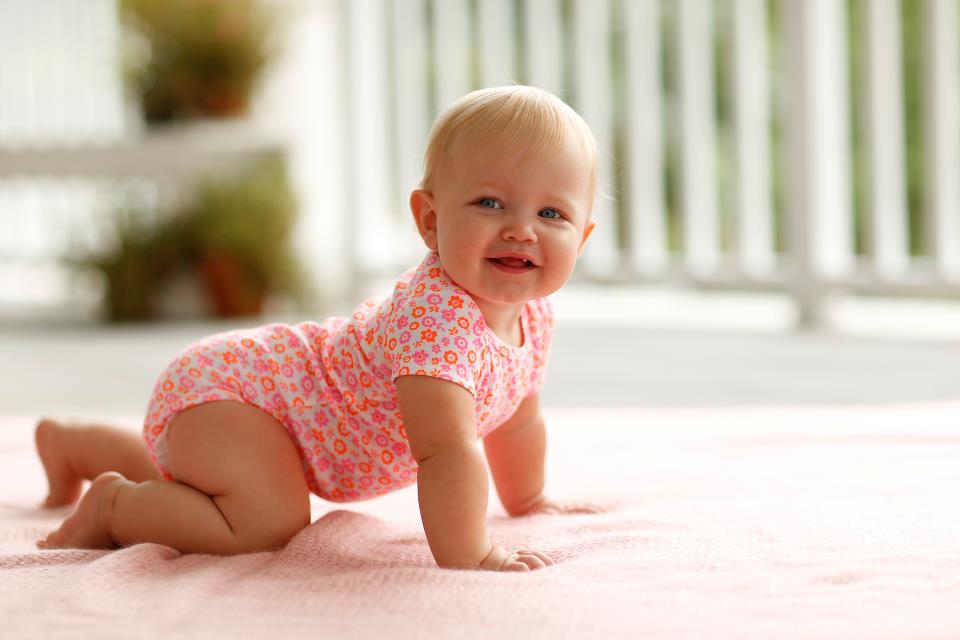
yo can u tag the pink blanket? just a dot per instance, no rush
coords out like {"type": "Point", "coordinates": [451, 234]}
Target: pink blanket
{"type": "Point", "coordinates": [732, 523]}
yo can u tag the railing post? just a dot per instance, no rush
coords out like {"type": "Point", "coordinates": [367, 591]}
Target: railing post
{"type": "Point", "coordinates": [886, 195]}
{"type": "Point", "coordinates": [942, 137]}
{"type": "Point", "coordinates": [700, 213]}
{"type": "Point", "coordinates": [818, 153]}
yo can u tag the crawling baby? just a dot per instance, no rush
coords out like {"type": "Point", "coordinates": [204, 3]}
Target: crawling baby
{"type": "Point", "coordinates": [243, 425]}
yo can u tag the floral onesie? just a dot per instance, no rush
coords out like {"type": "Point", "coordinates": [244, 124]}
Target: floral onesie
{"type": "Point", "coordinates": [332, 387]}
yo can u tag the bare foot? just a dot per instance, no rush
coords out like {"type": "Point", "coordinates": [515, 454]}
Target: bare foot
{"type": "Point", "coordinates": [87, 528]}
{"type": "Point", "coordinates": [65, 484]}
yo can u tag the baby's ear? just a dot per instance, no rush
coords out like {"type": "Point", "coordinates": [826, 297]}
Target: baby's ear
{"type": "Point", "coordinates": [423, 208]}
{"type": "Point", "coordinates": [587, 230]}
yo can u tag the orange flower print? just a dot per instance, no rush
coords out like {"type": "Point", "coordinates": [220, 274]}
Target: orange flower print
{"type": "Point", "coordinates": [327, 381]}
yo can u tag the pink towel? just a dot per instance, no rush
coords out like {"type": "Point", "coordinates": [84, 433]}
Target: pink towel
{"type": "Point", "coordinates": [732, 523]}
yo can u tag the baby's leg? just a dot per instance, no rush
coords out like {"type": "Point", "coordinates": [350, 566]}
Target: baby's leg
{"type": "Point", "coordinates": [72, 453]}
{"type": "Point", "coordinates": [239, 487]}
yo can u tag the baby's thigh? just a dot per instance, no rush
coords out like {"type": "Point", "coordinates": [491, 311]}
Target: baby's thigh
{"type": "Point", "coordinates": [244, 459]}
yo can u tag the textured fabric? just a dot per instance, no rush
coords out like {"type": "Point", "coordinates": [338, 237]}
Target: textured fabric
{"type": "Point", "coordinates": [331, 384]}
{"type": "Point", "coordinates": [734, 523]}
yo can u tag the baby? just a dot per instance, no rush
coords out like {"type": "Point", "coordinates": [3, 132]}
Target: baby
{"type": "Point", "coordinates": [243, 425]}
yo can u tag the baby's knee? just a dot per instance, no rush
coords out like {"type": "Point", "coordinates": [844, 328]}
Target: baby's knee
{"type": "Point", "coordinates": [271, 533]}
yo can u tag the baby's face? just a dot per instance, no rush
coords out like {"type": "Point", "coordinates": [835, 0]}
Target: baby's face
{"type": "Point", "coordinates": [509, 228]}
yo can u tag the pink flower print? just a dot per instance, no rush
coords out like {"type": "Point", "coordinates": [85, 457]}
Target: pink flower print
{"type": "Point", "coordinates": [306, 382]}
{"type": "Point", "coordinates": [405, 337]}
{"type": "Point", "coordinates": [399, 448]}
{"type": "Point", "coordinates": [434, 298]}
{"type": "Point", "coordinates": [429, 321]}
{"type": "Point", "coordinates": [401, 322]}
{"type": "Point", "coordinates": [437, 348]}
{"type": "Point", "coordinates": [420, 357]}
{"type": "Point", "coordinates": [351, 380]}
{"type": "Point", "coordinates": [377, 416]}
{"type": "Point", "coordinates": [448, 315]}
{"type": "Point", "coordinates": [461, 343]}
{"type": "Point", "coordinates": [287, 370]}
{"type": "Point", "coordinates": [186, 382]}
{"type": "Point", "coordinates": [461, 371]}
{"type": "Point", "coordinates": [382, 440]}
{"type": "Point", "coordinates": [248, 391]}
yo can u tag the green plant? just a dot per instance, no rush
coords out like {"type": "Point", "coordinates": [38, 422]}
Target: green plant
{"type": "Point", "coordinates": [240, 229]}
{"type": "Point", "coordinates": [233, 237]}
{"type": "Point", "coordinates": [141, 257]}
{"type": "Point", "coordinates": [202, 57]}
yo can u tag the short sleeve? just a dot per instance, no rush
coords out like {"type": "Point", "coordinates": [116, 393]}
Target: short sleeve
{"type": "Point", "coordinates": [540, 322]}
{"type": "Point", "coordinates": [435, 329]}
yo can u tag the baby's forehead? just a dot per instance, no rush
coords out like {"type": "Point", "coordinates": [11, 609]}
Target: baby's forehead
{"type": "Point", "coordinates": [493, 152]}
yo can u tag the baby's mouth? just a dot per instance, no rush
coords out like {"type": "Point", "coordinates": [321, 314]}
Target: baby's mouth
{"type": "Point", "coordinates": [512, 265]}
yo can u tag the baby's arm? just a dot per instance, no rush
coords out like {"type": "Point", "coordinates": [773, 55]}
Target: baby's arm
{"type": "Point", "coordinates": [439, 418]}
{"type": "Point", "coordinates": [516, 451]}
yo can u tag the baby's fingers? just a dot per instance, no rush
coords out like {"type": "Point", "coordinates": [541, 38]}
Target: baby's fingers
{"type": "Point", "coordinates": [534, 559]}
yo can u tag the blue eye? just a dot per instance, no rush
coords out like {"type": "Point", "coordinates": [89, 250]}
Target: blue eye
{"type": "Point", "coordinates": [489, 203]}
{"type": "Point", "coordinates": [551, 214]}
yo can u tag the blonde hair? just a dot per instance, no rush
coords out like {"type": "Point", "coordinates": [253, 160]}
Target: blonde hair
{"type": "Point", "coordinates": [520, 118]}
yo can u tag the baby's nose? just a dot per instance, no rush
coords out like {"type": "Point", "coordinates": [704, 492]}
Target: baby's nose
{"type": "Point", "coordinates": [519, 231]}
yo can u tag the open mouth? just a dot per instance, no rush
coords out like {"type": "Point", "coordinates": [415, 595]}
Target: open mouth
{"type": "Point", "coordinates": [511, 264]}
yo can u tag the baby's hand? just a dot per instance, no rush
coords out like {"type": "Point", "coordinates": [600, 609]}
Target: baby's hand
{"type": "Point", "coordinates": [499, 559]}
{"type": "Point", "coordinates": [545, 505]}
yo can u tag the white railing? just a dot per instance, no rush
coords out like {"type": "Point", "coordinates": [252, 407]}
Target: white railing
{"type": "Point", "coordinates": [407, 59]}
{"type": "Point", "coordinates": [760, 193]}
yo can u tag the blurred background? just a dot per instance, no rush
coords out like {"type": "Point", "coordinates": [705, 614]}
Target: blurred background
{"type": "Point", "coordinates": [780, 223]}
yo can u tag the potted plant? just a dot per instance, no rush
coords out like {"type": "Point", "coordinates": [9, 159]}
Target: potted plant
{"type": "Point", "coordinates": [233, 238]}
{"type": "Point", "coordinates": [199, 58]}
{"type": "Point", "coordinates": [240, 229]}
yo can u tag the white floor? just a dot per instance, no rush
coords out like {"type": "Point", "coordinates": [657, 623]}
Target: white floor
{"type": "Point", "coordinates": [658, 348]}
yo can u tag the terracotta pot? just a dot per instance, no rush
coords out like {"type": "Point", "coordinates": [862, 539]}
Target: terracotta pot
{"type": "Point", "coordinates": [230, 287]}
